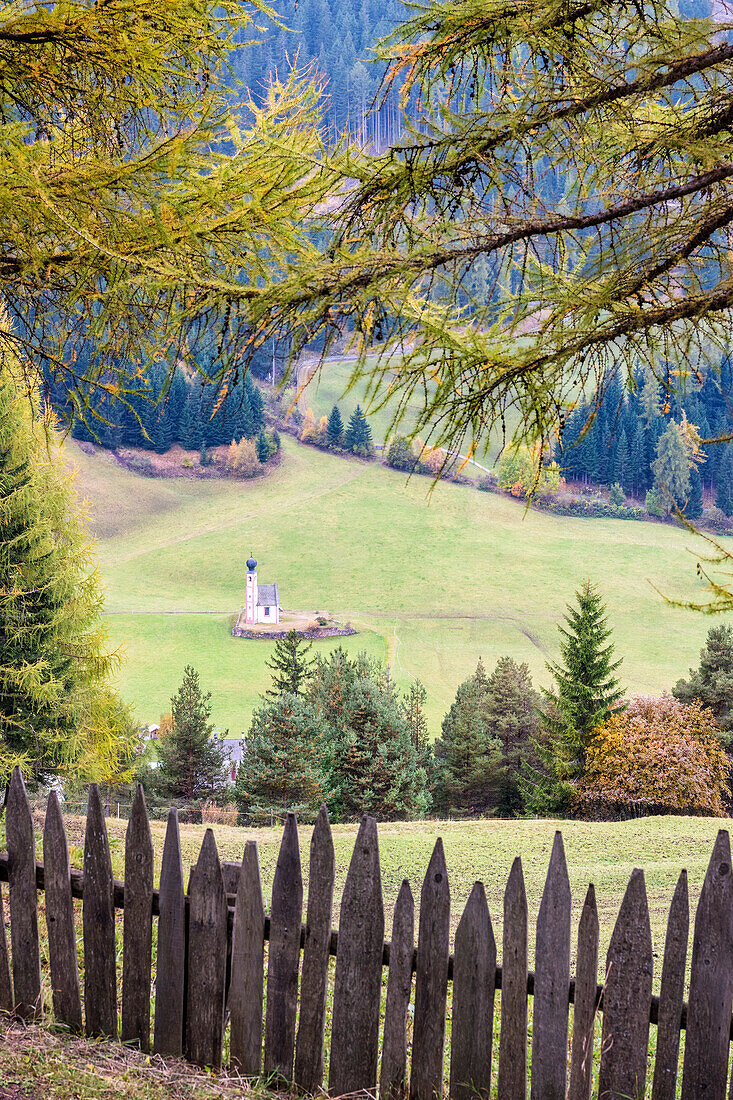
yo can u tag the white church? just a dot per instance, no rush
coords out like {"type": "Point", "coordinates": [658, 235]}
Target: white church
{"type": "Point", "coordinates": [263, 600]}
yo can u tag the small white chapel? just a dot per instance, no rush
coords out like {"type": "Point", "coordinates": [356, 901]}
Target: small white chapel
{"type": "Point", "coordinates": [263, 600]}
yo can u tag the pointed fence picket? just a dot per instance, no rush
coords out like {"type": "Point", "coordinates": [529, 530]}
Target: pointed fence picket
{"type": "Point", "coordinates": [222, 917]}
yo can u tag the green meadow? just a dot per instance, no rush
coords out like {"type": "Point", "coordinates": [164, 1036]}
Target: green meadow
{"type": "Point", "coordinates": [432, 579]}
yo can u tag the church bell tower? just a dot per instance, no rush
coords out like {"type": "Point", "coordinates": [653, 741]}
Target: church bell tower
{"type": "Point", "coordinates": [251, 601]}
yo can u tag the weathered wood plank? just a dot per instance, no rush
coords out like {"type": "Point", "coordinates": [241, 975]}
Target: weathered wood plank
{"type": "Point", "coordinates": [286, 913]}
{"type": "Point", "coordinates": [248, 951]}
{"type": "Point", "coordinates": [98, 919]}
{"type": "Point", "coordinates": [23, 901]}
{"type": "Point", "coordinates": [207, 954]}
{"type": "Point", "coordinates": [474, 969]}
{"type": "Point", "coordinates": [314, 976]}
{"type": "Point", "coordinates": [393, 1074]}
{"type": "Point", "coordinates": [671, 994]}
{"type": "Point", "coordinates": [171, 958]}
{"type": "Point", "coordinates": [230, 874]}
{"type": "Point", "coordinates": [627, 998]}
{"type": "Point", "coordinates": [64, 963]}
{"type": "Point", "coordinates": [431, 981]}
{"type": "Point", "coordinates": [512, 1078]}
{"type": "Point", "coordinates": [358, 978]}
{"type": "Point", "coordinates": [705, 1068]}
{"type": "Point", "coordinates": [586, 1000]}
{"type": "Point", "coordinates": [552, 982]}
{"type": "Point", "coordinates": [6, 984]}
{"type": "Point", "coordinates": [138, 926]}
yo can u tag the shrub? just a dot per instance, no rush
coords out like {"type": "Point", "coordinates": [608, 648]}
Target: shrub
{"type": "Point", "coordinates": [658, 756]}
{"type": "Point", "coordinates": [654, 504]}
{"type": "Point", "coordinates": [487, 484]}
{"type": "Point", "coordinates": [213, 814]}
{"type": "Point", "coordinates": [242, 459]}
{"type": "Point", "coordinates": [616, 495]}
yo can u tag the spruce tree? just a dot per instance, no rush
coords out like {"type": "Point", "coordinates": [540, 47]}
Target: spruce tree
{"type": "Point", "coordinates": [724, 489]}
{"type": "Point", "coordinates": [262, 447]}
{"type": "Point", "coordinates": [291, 666]}
{"type": "Point", "coordinates": [192, 761]}
{"type": "Point", "coordinates": [53, 662]}
{"type": "Point", "coordinates": [672, 468]}
{"type": "Point", "coordinates": [712, 681]}
{"type": "Point", "coordinates": [358, 437]}
{"type": "Point", "coordinates": [284, 765]}
{"type": "Point", "coordinates": [586, 692]}
{"type": "Point", "coordinates": [693, 509]}
{"type": "Point", "coordinates": [467, 757]}
{"type": "Point", "coordinates": [335, 431]}
{"type": "Point", "coordinates": [510, 712]}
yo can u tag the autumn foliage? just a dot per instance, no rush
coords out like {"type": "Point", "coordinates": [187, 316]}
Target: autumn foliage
{"type": "Point", "coordinates": [657, 756]}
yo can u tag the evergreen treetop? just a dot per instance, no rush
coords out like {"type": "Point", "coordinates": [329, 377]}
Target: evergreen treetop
{"type": "Point", "coordinates": [335, 430]}
{"type": "Point", "coordinates": [358, 436]}
{"type": "Point", "coordinates": [712, 681]}
{"type": "Point", "coordinates": [291, 666]}
{"type": "Point", "coordinates": [192, 760]}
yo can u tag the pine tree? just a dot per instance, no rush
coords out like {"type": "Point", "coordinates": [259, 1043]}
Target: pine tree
{"type": "Point", "coordinates": [335, 431]}
{"type": "Point", "coordinates": [263, 447]}
{"type": "Point", "coordinates": [358, 437]}
{"type": "Point", "coordinates": [192, 761]}
{"type": "Point", "coordinates": [672, 468]}
{"type": "Point", "coordinates": [283, 767]}
{"type": "Point", "coordinates": [467, 757]}
{"type": "Point", "coordinates": [510, 711]}
{"type": "Point", "coordinates": [53, 663]}
{"type": "Point", "coordinates": [586, 692]}
{"type": "Point", "coordinates": [291, 666]}
{"type": "Point", "coordinates": [712, 681]}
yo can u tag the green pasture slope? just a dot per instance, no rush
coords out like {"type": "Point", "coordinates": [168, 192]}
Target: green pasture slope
{"type": "Point", "coordinates": [432, 581]}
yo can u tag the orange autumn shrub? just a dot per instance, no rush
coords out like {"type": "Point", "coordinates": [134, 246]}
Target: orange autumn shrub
{"type": "Point", "coordinates": [657, 756]}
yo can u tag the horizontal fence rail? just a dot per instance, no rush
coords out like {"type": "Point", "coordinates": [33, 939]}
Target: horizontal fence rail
{"type": "Point", "coordinates": [210, 968]}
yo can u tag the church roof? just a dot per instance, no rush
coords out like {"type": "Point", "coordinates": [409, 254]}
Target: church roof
{"type": "Point", "coordinates": [268, 595]}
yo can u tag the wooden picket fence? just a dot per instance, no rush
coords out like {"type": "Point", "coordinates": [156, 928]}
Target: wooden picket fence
{"type": "Point", "coordinates": [210, 966]}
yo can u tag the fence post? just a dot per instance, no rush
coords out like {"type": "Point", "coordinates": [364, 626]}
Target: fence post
{"type": "Point", "coordinates": [585, 1006]}
{"type": "Point", "coordinates": [98, 910]}
{"type": "Point", "coordinates": [60, 919]}
{"type": "Point", "coordinates": [207, 955]}
{"type": "Point", "coordinates": [284, 955]}
{"type": "Point", "coordinates": [552, 982]}
{"type": "Point", "coordinates": [314, 976]}
{"type": "Point", "coordinates": [393, 1076]}
{"type": "Point", "coordinates": [627, 999]}
{"type": "Point", "coordinates": [705, 1070]}
{"type": "Point", "coordinates": [23, 901]}
{"type": "Point", "coordinates": [671, 994]}
{"type": "Point", "coordinates": [6, 985]}
{"type": "Point", "coordinates": [138, 925]}
{"type": "Point", "coordinates": [358, 978]}
{"type": "Point", "coordinates": [512, 1082]}
{"type": "Point", "coordinates": [247, 977]}
{"type": "Point", "coordinates": [474, 972]}
{"type": "Point", "coordinates": [431, 981]}
{"type": "Point", "coordinates": [171, 959]}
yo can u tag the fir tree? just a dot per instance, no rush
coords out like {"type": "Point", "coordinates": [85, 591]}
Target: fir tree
{"type": "Point", "coordinates": [712, 681]}
{"type": "Point", "coordinates": [53, 663]}
{"type": "Point", "coordinates": [192, 761]}
{"type": "Point", "coordinates": [672, 468]}
{"type": "Point", "coordinates": [291, 666]}
{"type": "Point", "coordinates": [262, 446]}
{"type": "Point", "coordinates": [724, 491]}
{"type": "Point", "coordinates": [358, 437]}
{"type": "Point", "coordinates": [335, 431]}
{"type": "Point", "coordinates": [586, 692]}
{"type": "Point", "coordinates": [693, 509]}
{"type": "Point", "coordinates": [283, 767]}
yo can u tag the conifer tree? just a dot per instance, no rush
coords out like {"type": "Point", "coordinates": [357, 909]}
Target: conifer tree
{"type": "Point", "coordinates": [192, 761]}
{"type": "Point", "coordinates": [53, 661]}
{"type": "Point", "coordinates": [335, 430]}
{"type": "Point", "coordinates": [283, 767]}
{"type": "Point", "coordinates": [291, 666]}
{"type": "Point", "coordinates": [672, 468]}
{"type": "Point", "coordinates": [262, 446]}
{"type": "Point", "coordinates": [724, 491]}
{"type": "Point", "coordinates": [693, 509]}
{"type": "Point", "coordinates": [586, 692]}
{"type": "Point", "coordinates": [358, 436]}
{"type": "Point", "coordinates": [712, 681]}
{"type": "Point", "coordinates": [511, 715]}
{"type": "Point", "coordinates": [467, 757]}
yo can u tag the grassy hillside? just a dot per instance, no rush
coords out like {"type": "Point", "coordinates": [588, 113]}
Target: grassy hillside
{"type": "Point", "coordinates": [432, 580]}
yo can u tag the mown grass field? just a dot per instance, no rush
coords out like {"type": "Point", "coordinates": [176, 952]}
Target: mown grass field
{"type": "Point", "coordinates": [432, 580]}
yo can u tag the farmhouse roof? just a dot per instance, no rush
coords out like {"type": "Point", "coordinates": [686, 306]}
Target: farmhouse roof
{"type": "Point", "coordinates": [268, 595]}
